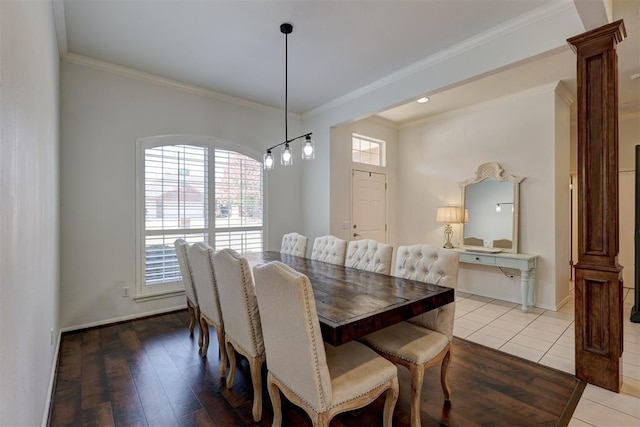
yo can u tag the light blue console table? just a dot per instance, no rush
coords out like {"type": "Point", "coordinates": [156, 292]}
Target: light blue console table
{"type": "Point", "coordinates": [524, 262]}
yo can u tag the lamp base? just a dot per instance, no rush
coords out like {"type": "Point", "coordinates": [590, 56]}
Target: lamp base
{"type": "Point", "coordinates": [448, 232]}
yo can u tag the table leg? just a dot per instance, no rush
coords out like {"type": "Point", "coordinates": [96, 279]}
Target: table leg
{"type": "Point", "coordinates": [532, 287]}
{"type": "Point", "coordinates": [524, 288]}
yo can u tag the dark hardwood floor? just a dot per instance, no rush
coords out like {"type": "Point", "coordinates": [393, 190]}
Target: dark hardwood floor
{"type": "Point", "coordinates": [147, 372]}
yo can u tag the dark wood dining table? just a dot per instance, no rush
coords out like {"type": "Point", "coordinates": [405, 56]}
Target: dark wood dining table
{"type": "Point", "coordinates": [352, 303]}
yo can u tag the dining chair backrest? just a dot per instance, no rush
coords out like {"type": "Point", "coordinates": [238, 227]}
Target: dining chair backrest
{"type": "Point", "coordinates": [238, 301]}
{"type": "Point", "coordinates": [201, 259]}
{"type": "Point", "coordinates": [329, 249]}
{"type": "Point", "coordinates": [182, 252]}
{"type": "Point", "coordinates": [435, 265]}
{"type": "Point", "coordinates": [294, 244]}
{"type": "Point", "coordinates": [292, 338]}
{"type": "Point", "coordinates": [369, 255]}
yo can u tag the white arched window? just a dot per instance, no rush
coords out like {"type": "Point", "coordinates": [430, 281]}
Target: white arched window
{"type": "Point", "coordinates": [199, 189]}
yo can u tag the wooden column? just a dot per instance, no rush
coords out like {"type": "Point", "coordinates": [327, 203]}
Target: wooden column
{"type": "Point", "coordinates": [598, 285]}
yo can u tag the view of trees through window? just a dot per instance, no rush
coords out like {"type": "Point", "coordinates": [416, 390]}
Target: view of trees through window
{"type": "Point", "coordinates": [198, 193]}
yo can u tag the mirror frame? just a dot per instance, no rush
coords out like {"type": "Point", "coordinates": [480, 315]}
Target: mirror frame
{"type": "Point", "coordinates": [493, 170]}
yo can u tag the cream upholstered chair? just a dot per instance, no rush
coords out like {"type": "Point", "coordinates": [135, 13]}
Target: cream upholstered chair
{"type": "Point", "coordinates": [243, 331]}
{"type": "Point", "coordinates": [370, 255]}
{"type": "Point", "coordinates": [294, 244]}
{"type": "Point", "coordinates": [201, 260]}
{"type": "Point", "coordinates": [329, 249]}
{"type": "Point", "coordinates": [182, 252]}
{"type": "Point", "coordinates": [424, 340]}
{"type": "Point", "coordinates": [321, 379]}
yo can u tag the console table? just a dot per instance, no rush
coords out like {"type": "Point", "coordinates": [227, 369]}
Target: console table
{"type": "Point", "coordinates": [524, 262]}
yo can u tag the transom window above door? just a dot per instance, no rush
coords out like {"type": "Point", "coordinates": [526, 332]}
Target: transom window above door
{"type": "Point", "coordinates": [367, 150]}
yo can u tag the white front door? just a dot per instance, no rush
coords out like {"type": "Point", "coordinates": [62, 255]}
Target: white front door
{"type": "Point", "coordinates": [369, 206]}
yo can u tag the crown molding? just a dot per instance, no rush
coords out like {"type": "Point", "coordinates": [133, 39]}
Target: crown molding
{"type": "Point", "coordinates": [523, 21]}
{"type": "Point", "coordinates": [565, 93]}
{"type": "Point", "coordinates": [382, 121]}
{"type": "Point", "coordinates": [96, 64]}
{"type": "Point", "coordinates": [545, 88]}
{"type": "Point", "coordinates": [61, 27]}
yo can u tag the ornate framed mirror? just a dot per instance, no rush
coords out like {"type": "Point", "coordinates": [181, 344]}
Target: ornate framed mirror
{"type": "Point", "coordinates": [490, 201]}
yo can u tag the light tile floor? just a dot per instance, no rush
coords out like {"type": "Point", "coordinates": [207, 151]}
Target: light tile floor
{"type": "Point", "coordinates": [547, 337]}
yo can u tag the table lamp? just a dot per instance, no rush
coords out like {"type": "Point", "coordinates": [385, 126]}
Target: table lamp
{"type": "Point", "coordinates": [449, 215]}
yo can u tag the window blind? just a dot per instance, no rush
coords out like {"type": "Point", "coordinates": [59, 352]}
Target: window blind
{"type": "Point", "coordinates": [178, 202]}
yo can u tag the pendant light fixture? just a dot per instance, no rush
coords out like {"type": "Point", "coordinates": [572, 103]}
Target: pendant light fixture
{"type": "Point", "coordinates": [286, 156]}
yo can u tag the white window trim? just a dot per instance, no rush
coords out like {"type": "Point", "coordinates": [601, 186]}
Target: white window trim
{"type": "Point", "coordinates": [170, 289]}
{"type": "Point", "coordinates": [383, 151]}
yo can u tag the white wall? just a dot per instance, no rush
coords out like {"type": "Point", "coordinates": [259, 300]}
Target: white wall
{"type": "Point", "coordinates": [341, 167]}
{"type": "Point", "coordinates": [29, 275]}
{"type": "Point", "coordinates": [521, 133]}
{"type": "Point", "coordinates": [628, 138]}
{"type": "Point", "coordinates": [562, 163]}
{"type": "Point", "coordinates": [508, 45]}
{"type": "Point", "coordinates": [102, 115]}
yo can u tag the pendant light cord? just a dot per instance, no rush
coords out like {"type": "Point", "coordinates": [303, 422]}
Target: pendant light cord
{"type": "Point", "coordinates": [286, 29]}
{"type": "Point", "coordinates": [286, 84]}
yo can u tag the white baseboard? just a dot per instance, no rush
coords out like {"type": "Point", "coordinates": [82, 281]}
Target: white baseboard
{"type": "Point", "coordinates": [123, 318]}
{"type": "Point", "coordinates": [519, 301]}
{"type": "Point", "coordinates": [54, 367]}
{"type": "Point", "coordinates": [490, 295]}
{"type": "Point", "coordinates": [564, 301]}
{"type": "Point", "coordinates": [52, 379]}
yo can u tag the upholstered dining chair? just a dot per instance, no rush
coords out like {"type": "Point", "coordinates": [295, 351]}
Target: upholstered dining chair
{"type": "Point", "coordinates": [424, 340]}
{"type": "Point", "coordinates": [321, 379]}
{"type": "Point", "coordinates": [329, 249]}
{"type": "Point", "coordinates": [243, 331]}
{"type": "Point", "coordinates": [294, 244]}
{"type": "Point", "coordinates": [369, 255]}
{"type": "Point", "coordinates": [201, 259]}
{"type": "Point", "coordinates": [182, 252]}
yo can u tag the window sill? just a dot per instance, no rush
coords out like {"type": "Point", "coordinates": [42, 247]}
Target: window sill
{"type": "Point", "coordinates": [158, 295]}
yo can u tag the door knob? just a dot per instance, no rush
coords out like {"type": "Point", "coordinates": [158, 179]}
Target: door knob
{"type": "Point", "coordinates": [355, 235]}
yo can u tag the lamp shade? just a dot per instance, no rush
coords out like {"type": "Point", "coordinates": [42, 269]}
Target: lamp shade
{"type": "Point", "coordinates": [449, 214]}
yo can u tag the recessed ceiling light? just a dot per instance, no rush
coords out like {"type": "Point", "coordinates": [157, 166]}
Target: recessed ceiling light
{"type": "Point", "coordinates": [423, 100]}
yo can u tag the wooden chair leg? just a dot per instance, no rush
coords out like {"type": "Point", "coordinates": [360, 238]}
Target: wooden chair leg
{"type": "Point", "coordinates": [320, 420]}
{"type": "Point", "coordinates": [231, 354]}
{"type": "Point", "coordinates": [274, 394]}
{"type": "Point", "coordinates": [255, 365]}
{"type": "Point", "coordinates": [192, 318]}
{"type": "Point", "coordinates": [443, 376]}
{"type": "Point", "coordinates": [205, 339]}
{"type": "Point", "coordinates": [223, 351]}
{"type": "Point", "coordinates": [200, 335]}
{"type": "Point", "coordinates": [417, 378]}
{"type": "Point", "coordinates": [390, 402]}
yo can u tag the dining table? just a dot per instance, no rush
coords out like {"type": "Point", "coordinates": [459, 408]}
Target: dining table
{"type": "Point", "coordinates": [352, 303]}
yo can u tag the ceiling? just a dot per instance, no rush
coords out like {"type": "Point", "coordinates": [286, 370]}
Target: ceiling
{"type": "Point", "coordinates": [234, 47]}
{"type": "Point", "coordinates": [557, 65]}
